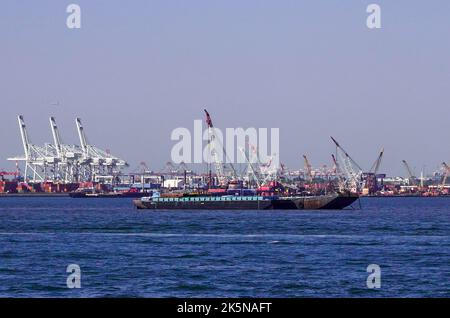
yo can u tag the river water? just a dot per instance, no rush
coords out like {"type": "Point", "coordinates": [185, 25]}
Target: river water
{"type": "Point", "coordinates": [123, 252]}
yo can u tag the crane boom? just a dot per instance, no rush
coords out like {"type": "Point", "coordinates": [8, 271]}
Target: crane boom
{"type": "Point", "coordinates": [82, 136]}
{"type": "Point", "coordinates": [410, 173]}
{"type": "Point", "coordinates": [212, 148]}
{"type": "Point", "coordinates": [337, 172]}
{"type": "Point", "coordinates": [336, 165]}
{"type": "Point", "coordinates": [446, 173]}
{"type": "Point", "coordinates": [56, 136]}
{"type": "Point", "coordinates": [213, 151]}
{"type": "Point", "coordinates": [24, 135]}
{"type": "Point", "coordinates": [308, 168]}
{"type": "Point", "coordinates": [251, 168]}
{"type": "Point", "coordinates": [346, 154]}
{"type": "Point", "coordinates": [350, 168]}
{"type": "Point", "coordinates": [376, 165]}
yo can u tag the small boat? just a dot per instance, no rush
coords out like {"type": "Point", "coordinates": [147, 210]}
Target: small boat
{"type": "Point", "coordinates": [97, 194]}
{"type": "Point", "coordinates": [230, 202]}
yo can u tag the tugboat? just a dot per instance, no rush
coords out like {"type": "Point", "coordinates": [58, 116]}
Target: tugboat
{"type": "Point", "coordinates": [93, 193]}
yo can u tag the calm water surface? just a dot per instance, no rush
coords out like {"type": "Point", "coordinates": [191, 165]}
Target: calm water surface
{"type": "Point", "coordinates": [123, 252]}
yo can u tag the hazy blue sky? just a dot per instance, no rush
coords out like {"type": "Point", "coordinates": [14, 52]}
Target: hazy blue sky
{"type": "Point", "coordinates": [138, 69]}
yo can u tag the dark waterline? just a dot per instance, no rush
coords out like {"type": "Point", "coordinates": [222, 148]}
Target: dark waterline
{"type": "Point", "coordinates": [123, 252]}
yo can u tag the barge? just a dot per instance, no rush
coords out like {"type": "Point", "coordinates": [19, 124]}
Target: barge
{"type": "Point", "coordinates": [322, 202]}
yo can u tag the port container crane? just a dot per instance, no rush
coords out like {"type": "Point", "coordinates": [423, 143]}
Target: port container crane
{"type": "Point", "coordinates": [39, 161]}
{"type": "Point", "coordinates": [67, 157]}
{"type": "Point", "coordinates": [59, 162]}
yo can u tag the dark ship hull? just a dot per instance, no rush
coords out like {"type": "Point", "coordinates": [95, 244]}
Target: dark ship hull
{"type": "Point", "coordinates": [322, 202]}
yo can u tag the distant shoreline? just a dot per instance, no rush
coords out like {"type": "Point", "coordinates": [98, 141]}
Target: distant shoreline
{"type": "Point", "coordinates": [66, 195]}
{"type": "Point", "coordinates": [405, 196]}
{"type": "Point", "coordinates": [34, 195]}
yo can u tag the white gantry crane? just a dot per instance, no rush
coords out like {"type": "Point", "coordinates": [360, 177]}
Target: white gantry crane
{"type": "Point", "coordinates": [68, 157]}
{"type": "Point", "coordinates": [59, 162]}
{"type": "Point", "coordinates": [39, 161]}
{"type": "Point", "coordinates": [102, 164]}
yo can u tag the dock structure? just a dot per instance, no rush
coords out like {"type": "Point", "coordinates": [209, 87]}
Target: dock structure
{"type": "Point", "coordinates": [64, 163]}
